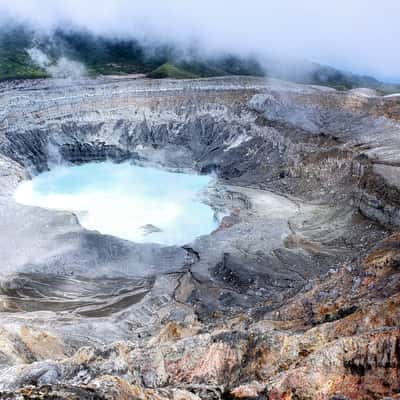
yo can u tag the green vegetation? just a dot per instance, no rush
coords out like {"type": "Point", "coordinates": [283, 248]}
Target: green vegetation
{"type": "Point", "coordinates": [15, 62]}
{"type": "Point", "coordinates": [340, 80]}
{"type": "Point", "coordinates": [222, 65]}
{"type": "Point", "coordinates": [169, 70]}
{"type": "Point", "coordinates": [110, 56]}
{"type": "Point", "coordinates": [317, 74]}
{"type": "Point", "coordinates": [104, 56]}
{"type": "Point", "coordinates": [388, 88]}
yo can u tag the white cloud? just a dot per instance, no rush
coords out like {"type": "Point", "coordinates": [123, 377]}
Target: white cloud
{"type": "Point", "coordinates": [359, 35]}
{"type": "Point", "coordinates": [62, 68]}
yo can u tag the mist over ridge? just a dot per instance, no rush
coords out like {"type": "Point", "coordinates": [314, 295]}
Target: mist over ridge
{"type": "Point", "coordinates": [348, 35]}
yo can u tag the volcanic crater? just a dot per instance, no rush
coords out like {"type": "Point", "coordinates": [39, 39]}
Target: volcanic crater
{"type": "Point", "coordinates": [294, 293]}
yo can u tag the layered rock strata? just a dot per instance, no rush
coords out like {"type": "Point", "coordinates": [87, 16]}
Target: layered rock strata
{"type": "Point", "coordinates": [294, 296]}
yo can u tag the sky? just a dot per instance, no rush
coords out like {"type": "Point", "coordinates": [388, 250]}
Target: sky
{"type": "Point", "coordinates": [361, 36]}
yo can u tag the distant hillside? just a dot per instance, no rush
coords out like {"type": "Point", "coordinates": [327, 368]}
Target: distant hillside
{"type": "Point", "coordinates": [15, 62]}
{"type": "Point", "coordinates": [106, 56]}
{"type": "Point", "coordinates": [169, 70]}
{"type": "Point", "coordinates": [313, 73]}
{"type": "Point", "coordinates": [100, 55]}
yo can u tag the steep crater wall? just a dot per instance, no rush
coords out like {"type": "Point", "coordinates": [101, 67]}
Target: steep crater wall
{"type": "Point", "coordinates": [282, 286]}
{"type": "Point", "coordinates": [208, 126]}
{"type": "Point", "coordinates": [302, 141]}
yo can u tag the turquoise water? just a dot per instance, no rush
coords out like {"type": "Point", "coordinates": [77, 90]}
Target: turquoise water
{"type": "Point", "coordinates": [121, 199]}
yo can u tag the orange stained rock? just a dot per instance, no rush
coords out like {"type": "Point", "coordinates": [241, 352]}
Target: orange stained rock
{"type": "Point", "coordinates": [214, 366]}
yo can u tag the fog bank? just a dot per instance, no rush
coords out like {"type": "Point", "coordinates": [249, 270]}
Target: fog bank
{"type": "Point", "coordinates": [353, 35]}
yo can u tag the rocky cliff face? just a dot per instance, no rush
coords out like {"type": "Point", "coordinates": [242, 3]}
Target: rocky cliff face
{"type": "Point", "coordinates": [294, 296]}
